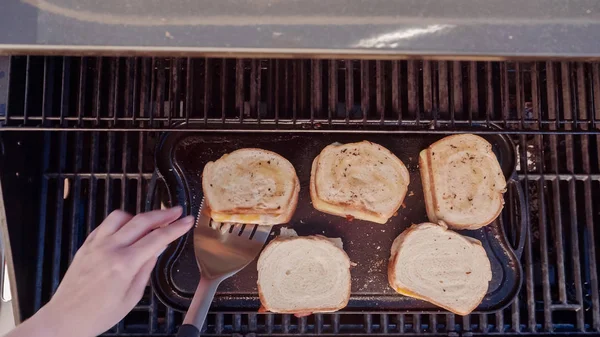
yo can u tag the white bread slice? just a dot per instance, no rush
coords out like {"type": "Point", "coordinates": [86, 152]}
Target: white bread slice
{"type": "Point", "coordinates": [251, 186]}
{"type": "Point", "coordinates": [432, 263]}
{"type": "Point", "coordinates": [463, 183]}
{"type": "Point", "coordinates": [303, 274]}
{"type": "Point", "coordinates": [360, 180]}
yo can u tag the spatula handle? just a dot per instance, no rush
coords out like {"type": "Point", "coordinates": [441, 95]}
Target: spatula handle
{"type": "Point", "coordinates": [188, 330]}
{"type": "Point", "coordinates": [196, 314]}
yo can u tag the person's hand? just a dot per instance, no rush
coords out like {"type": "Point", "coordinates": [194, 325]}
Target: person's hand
{"type": "Point", "coordinates": [109, 273]}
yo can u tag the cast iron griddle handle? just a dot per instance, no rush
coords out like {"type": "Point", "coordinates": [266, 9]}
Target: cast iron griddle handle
{"type": "Point", "coordinates": [522, 214]}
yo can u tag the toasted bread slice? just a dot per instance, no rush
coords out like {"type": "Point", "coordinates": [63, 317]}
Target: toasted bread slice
{"type": "Point", "coordinates": [432, 263]}
{"type": "Point", "coordinates": [303, 274]}
{"type": "Point", "coordinates": [360, 180]}
{"type": "Point", "coordinates": [463, 183]}
{"type": "Point", "coordinates": [251, 186]}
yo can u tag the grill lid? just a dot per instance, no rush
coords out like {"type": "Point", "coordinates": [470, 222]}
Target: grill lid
{"type": "Point", "coordinates": [310, 27]}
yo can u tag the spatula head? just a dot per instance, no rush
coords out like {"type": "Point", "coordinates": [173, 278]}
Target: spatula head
{"type": "Point", "coordinates": [224, 249]}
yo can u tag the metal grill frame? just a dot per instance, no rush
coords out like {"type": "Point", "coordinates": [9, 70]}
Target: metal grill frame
{"type": "Point", "coordinates": [98, 145]}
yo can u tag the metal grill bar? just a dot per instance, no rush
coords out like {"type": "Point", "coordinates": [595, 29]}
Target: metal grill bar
{"type": "Point", "coordinates": [5, 88]}
{"type": "Point", "coordinates": [396, 89]}
{"type": "Point", "coordinates": [582, 124]}
{"type": "Point", "coordinates": [75, 212]}
{"type": "Point", "coordinates": [413, 91]}
{"type": "Point", "coordinates": [58, 225]}
{"type": "Point", "coordinates": [457, 90]}
{"type": "Point", "coordinates": [489, 102]}
{"type": "Point", "coordinates": [544, 254]}
{"type": "Point", "coordinates": [316, 84]}
{"type": "Point", "coordinates": [568, 113]}
{"type": "Point", "coordinates": [473, 91]}
{"type": "Point", "coordinates": [39, 280]}
{"type": "Point", "coordinates": [428, 93]}
{"type": "Point", "coordinates": [26, 101]}
{"type": "Point", "coordinates": [443, 91]}
{"type": "Point", "coordinates": [562, 293]}
{"type": "Point", "coordinates": [380, 91]}
{"type": "Point", "coordinates": [364, 85]}
{"type": "Point", "coordinates": [550, 108]}
{"type": "Point", "coordinates": [435, 94]}
{"type": "Point", "coordinates": [91, 223]}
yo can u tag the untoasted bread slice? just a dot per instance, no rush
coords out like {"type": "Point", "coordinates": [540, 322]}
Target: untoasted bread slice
{"type": "Point", "coordinates": [301, 275]}
{"type": "Point", "coordinates": [463, 183]}
{"type": "Point", "coordinates": [251, 186]}
{"type": "Point", "coordinates": [432, 263]}
{"type": "Point", "coordinates": [360, 180]}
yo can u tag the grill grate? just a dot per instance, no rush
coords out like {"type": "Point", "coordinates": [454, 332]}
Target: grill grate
{"type": "Point", "coordinates": [151, 93]}
{"type": "Point", "coordinates": [87, 167]}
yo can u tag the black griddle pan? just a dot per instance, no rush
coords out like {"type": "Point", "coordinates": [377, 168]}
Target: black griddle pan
{"type": "Point", "coordinates": [180, 159]}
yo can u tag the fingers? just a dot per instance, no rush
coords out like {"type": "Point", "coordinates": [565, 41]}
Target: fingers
{"type": "Point", "coordinates": [113, 222]}
{"type": "Point", "coordinates": [153, 244]}
{"type": "Point", "coordinates": [144, 223]}
{"type": "Point", "coordinates": [136, 290]}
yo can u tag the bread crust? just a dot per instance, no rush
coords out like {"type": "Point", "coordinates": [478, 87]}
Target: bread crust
{"type": "Point", "coordinates": [318, 238]}
{"type": "Point", "coordinates": [349, 210]}
{"type": "Point", "coordinates": [426, 181]}
{"type": "Point", "coordinates": [293, 203]}
{"type": "Point", "coordinates": [276, 214]}
{"type": "Point", "coordinates": [398, 242]}
{"type": "Point", "coordinates": [431, 203]}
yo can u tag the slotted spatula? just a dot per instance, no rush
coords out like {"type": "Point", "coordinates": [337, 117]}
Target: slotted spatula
{"type": "Point", "coordinates": [221, 251]}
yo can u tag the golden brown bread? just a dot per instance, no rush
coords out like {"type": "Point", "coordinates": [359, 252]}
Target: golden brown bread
{"type": "Point", "coordinates": [463, 183]}
{"type": "Point", "coordinates": [251, 186]}
{"type": "Point", "coordinates": [360, 180]}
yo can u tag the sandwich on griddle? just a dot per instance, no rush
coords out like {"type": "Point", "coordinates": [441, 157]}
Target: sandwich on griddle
{"type": "Point", "coordinates": [303, 274]}
{"type": "Point", "coordinates": [432, 263]}
{"type": "Point", "coordinates": [360, 180]}
{"type": "Point", "coordinates": [463, 183]}
{"type": "Point", "coordinates": [251, 186]}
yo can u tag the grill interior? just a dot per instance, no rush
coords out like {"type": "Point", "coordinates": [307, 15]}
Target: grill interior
{"type": "Point", "coordinates": [92, 124]}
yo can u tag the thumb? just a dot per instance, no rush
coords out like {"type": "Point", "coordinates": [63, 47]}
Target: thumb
{"type": "Point", "coordinates": [140, 280]}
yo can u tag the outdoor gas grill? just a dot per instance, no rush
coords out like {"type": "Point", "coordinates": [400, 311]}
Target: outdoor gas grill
{"type": "Point", "coordinates": [79, 135]}
{"type": "Point", "coordinates": [89, 89]}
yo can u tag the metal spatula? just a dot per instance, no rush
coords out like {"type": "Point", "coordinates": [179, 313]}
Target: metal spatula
{"type": "Point", "coordinates": [221, 251]}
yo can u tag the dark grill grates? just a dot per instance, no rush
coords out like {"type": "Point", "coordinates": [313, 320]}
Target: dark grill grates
{"type": "Point", "coordinates": [151, 93]}
{"type": "Point", "coordinates": [553, 110]}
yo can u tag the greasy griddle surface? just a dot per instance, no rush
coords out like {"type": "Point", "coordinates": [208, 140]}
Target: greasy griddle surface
{"type": "Point", "coordinates": [181, 158]}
